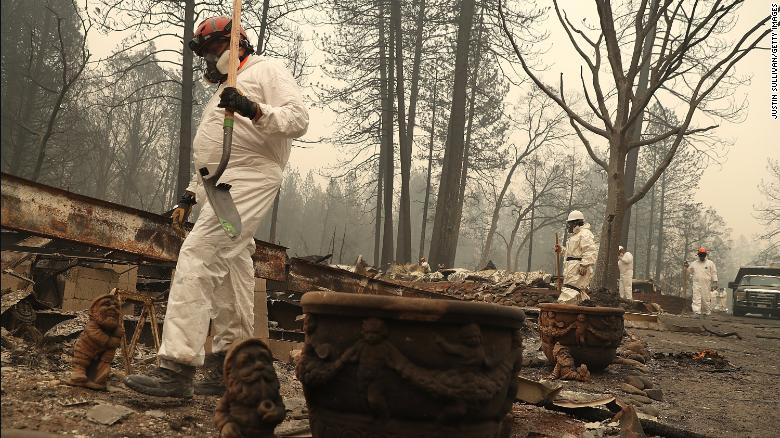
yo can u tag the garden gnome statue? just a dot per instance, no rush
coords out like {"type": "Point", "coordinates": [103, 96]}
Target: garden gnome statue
{"type": "Point", "coordinates": [251, 406]}
{"type": "Point", "coordinates": [95, 348]}
{"type": "Point", "coordinates": [564, 366]}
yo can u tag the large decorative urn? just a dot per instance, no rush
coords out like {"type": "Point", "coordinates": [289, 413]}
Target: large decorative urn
{"type": "Point", "coordinates": [380, 366]}
{"type": "Point", "coordinates": [592, 334]}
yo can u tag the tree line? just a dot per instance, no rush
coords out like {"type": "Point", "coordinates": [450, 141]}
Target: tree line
{"type": "Point", "coordinates": [451, 143]}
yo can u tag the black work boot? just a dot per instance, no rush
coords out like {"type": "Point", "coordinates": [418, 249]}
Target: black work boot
{"type": "Point", "coordinates": [213, 382]}
{"type": "Point", "coordinates": [163, 382]}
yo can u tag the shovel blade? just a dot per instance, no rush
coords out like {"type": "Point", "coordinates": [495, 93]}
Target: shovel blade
{"type": "Point", "coordinates": [224, 207]}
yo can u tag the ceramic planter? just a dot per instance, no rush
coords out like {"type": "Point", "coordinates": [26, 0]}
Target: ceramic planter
{"type": "Point", "coordinates": [384, 366]}
{"type": "Point", "coordinates": [592, 334]}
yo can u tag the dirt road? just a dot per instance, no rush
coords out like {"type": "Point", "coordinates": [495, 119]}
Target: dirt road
{"type": "Point", "coordinates": [718, 400]}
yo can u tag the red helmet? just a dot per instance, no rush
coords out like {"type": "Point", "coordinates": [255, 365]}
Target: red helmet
{"type": "Point", "coordinates": [215, 28]}
{"type": "Point", "coordinates": [702, 250]}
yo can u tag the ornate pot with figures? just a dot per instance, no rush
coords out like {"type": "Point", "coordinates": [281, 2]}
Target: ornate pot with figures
{"type": "Point", "coordinates": [591, 334]}
{"type": "Point", "coordinates": [383, 366]}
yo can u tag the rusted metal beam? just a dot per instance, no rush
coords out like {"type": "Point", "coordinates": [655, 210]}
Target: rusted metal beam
{"type": "Point", "coordinates": [54, 213]}
{"type": "Point", "coordinates": [305, 276]}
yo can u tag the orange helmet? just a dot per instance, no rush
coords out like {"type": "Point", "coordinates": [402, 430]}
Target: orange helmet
{"type": "Point", "coordinates": [213, 29]}
{"type": "Point", "coordinates": [702, 250]}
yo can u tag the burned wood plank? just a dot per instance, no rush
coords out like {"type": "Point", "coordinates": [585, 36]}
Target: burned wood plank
{"type": "Point", "coordinates": [54, 213]}
{"type": "Point", "coordinates": [305, 276]}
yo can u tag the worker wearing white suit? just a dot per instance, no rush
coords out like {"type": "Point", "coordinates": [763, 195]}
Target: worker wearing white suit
{"type": "Point", "coordinates": [580, 256]}
{"type": "Point", "coordinates": [704, 278]}
{"type": "Point", "coordinates": [214, 279]}
{"type": "Point", "coordinates": [626, 270]}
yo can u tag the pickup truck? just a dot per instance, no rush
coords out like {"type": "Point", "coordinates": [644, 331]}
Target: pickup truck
{"type": "Point", "coordinates": [756, 290]}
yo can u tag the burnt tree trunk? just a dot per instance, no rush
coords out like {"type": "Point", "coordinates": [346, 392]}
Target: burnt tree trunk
{"type": "Point", "coordinates": [470, 123]}
{"type": "Point", "coordinates": [495, 216]}
{"type": "Point", "coordinates": [413, 97]}
{"type": "Point", "coordinates": [424, 224]}
{"type": "Point", "coordinates": [25, 111]}
{"type": "Point", "coordinates": [379, 194]}
{"type": "Point", "coordinates": [635, 131]}
{"type": "Point", "coordinates": [635, 246]}
{"type": "Point", "coordinates": [386, 79]}
{"type": "Point", "coordinates": [446, 224]}
{"type": "Point", "coordinates": [511, 243]}
{"type": "Point", "coordinates": [659, 249]}
{"type": "Point", "coordinates": [650, 228]}
{"type": "Point", "coordinates": [343, 239]}
{"type": "Point", "coordinates": [404, 238]}
{"type": "Point", "coordinates": [520, 246]}
{"type": "Point", "coordinates": [605, 271]}
{"type": "Point", "coordinates": [133, 154]}
{"type": "Point", "coordinates": [36, 174]}
{"type": "Point", "coordinates": [533, 216]}
{"type": "Point", "coordinates": [67, 83]}
{"type": "Point", "coordinates": [185, 115]}
{"type": "Point", "coordinates": [263, 28]}
{"type": "Point", "coordinates": [415, 80]}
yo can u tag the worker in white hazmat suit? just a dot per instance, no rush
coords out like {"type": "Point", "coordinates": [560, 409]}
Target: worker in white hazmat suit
{"type": "Point", "coordinates": [704, 279]}
{"type": "Point", "coordinates": [626, 270]}
{"type": "Point", "coordinates": [722, 300]}
{"type": "Point", "coordinates": [580, 256]}
{"type": "Point", "coordinates": [214, 280]}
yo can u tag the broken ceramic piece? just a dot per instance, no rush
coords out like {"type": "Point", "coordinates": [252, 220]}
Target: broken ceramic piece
{"type": "Point", "coordinates": [574, 399]}
{"type": "Point", "coordinates": [630, 426]}
{"type": "Point", "coordinates": [108, 414]}
{"type": "Point", "coordinates": [537, 393]}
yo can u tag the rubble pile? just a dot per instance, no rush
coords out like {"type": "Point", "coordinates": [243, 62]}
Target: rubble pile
{"type": "Point", "coordinates": [524, 289]}
{"type": "Point", "coordinates": [512, 295]}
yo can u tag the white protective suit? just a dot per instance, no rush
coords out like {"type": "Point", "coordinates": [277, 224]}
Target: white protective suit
{"type": "Point", "coordinates": [703, 274]}
{"type": "Point", "coordinates": [580, 250]}
{"type": "Point", "coordinates": [214, 279]}
{"type": "Point", "coordinates": [626, 269]}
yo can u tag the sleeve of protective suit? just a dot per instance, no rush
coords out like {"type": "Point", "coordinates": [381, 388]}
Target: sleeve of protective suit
{"type": "Point", "coordinates": [627, 258]}
{"type": "Point", "coordinates": [589, 249]}
{"type": "Point", "coordinates": [714, 271]}
{"type": "Point", "coordinates": [283, 112]}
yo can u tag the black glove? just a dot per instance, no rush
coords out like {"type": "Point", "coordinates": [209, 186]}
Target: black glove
{"type": "Point", "coordinates": [181, 212]}
{"type": "Point", "coordinates": [232, 99]}
{"type": "Point", "coordinates": [187, 198]}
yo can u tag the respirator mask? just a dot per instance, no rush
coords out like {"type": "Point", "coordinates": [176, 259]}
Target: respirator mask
{"type": "Point", "coordinates": [215, 67]}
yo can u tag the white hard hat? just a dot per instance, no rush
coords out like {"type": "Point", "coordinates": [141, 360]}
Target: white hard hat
{"type": "Point", "coordinates": [575, 215]}
{"type": "Point", "coordinates": [620, 248]}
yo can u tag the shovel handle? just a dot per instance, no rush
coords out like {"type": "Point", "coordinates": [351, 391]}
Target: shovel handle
{"type": "Point", "coordinates": [227, 124]}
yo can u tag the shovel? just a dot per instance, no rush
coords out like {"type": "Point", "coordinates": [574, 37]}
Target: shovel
{"type": "Point", "coordinates": [218, 194]}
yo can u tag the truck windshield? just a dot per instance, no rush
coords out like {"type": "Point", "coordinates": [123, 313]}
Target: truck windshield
{"type": "Point", "coordinates": [760, 280]}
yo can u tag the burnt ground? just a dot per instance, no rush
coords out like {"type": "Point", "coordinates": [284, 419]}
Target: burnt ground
{"type": "Point", "coordinates": [736, 396]}
{"type": "Point", "coordinates": [742, 402]}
